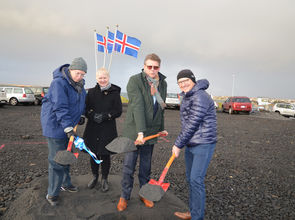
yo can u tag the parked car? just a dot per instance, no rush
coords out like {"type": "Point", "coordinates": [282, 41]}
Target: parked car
{"type": "Point", "coordinates": [237, 104]}
{"type": "Point", "coordinates": [39, 93]}
{"type": "Point", "coordinates": [15, 95]}
{"type": "Point", "coordinates": [172, 100]}
{"type": "Point", "coordinates": [2, 97]}
{"type": "Point", "coordinates": [284, 109]}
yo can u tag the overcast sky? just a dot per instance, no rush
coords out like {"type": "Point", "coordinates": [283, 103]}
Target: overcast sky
{"type": "Point", "coordinates": [248, 44]}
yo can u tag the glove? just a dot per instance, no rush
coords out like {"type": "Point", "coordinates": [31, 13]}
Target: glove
{"type": "Point", "coordinates": [82, 120]}
{"type": "Point", "coordinates": [100, 117]}
{"type": "Point", "coordinates": [70, 132]}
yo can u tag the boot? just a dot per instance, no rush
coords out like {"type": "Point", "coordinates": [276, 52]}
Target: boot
{"type": "Point", "coordinates": [122, 204]}
{"type": "Point", "coordinates": [104, 185]}
{"type": "Point", "coordinates": [183, 215]}
{"type": "Point", "coordinates": [93, 182]}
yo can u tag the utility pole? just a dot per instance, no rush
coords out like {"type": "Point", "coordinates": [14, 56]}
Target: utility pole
{"type": "Point", "coordinates": [233, 86]}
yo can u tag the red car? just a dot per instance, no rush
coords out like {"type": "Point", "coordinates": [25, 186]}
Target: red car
{"type": "Point", "coordinates": [237, 104]}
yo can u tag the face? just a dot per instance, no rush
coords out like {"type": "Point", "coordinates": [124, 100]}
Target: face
{"type": "Point", "coordinates": [151, 68]}
{"type": "Point", "coordinates": [77, 75]}
{"type": "Point", "coordinates": [102, 79]}
{"type": "Point", "coordinates": [185, 84]}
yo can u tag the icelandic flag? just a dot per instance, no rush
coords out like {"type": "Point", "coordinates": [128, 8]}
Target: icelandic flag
{"type": "Point", "coordinates": [111, 40]}
{"type": "Point", "coordinates": [101, 43]}
{"type": "Point", "coordinates": [126, 44]}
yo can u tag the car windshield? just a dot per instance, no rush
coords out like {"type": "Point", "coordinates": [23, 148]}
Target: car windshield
{"type": "Point", "coordinates": [45, 90]}
{"type": "Point", "coordinates": [241, 100]}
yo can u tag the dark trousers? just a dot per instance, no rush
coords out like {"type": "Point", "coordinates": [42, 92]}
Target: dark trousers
{"type": "Point", "coordinates": [105, 165]}
{"type": "Point", "coordinates": [145, 153]}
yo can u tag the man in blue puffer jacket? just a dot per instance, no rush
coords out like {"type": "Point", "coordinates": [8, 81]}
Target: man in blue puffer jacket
{"type": "Point", "coordinates": [199, 135]}
{"type": "Point", "coordinates": [62, 108]}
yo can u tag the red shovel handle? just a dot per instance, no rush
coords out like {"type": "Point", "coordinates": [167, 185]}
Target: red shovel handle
{"type": "Point", "coordinates": [160, 134]}
{"type": "Point", "coordinates": [162, 177]}
{"type": "Point", "coordinates": [69, 148]}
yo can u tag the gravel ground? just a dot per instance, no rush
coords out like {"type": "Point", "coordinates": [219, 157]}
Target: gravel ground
{"type": "Point", "coordinates": [251, 176]}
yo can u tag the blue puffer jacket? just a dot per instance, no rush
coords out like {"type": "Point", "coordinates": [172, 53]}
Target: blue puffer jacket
{"type": "Point", "coordinates": [62, 106]}
{"type": "Point", "coordinates": [198, 117]}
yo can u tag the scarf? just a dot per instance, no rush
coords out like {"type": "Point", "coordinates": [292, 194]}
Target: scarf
{"type": "Point", "coordinates": [103, 88]}
{"type": "Point", "coordinates": [154, 91]}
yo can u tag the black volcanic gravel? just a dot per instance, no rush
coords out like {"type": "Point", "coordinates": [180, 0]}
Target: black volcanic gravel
{"type": "Point", "coordinates": [251, 176]}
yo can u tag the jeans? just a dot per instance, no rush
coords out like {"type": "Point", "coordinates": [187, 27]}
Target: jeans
{"type": "Point", "coordinates": [145, 152]}
{"type": "Point", "coordinates": [58, 175]}
{"type": "Point", "coordinates": [197, 159]}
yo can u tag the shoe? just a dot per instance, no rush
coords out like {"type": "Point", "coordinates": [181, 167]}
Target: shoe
{"type": "Point", "coordinates": [183, 215]}
{"type": "Point", "coordinates": [70, 188]}
{"type": "Point", "coordinates": [122, 204]}
{"type": "Point", "coordinates": [104, 185]}
{"type": "Point", "coordinates": [148, 203]}
{"type": "Point", "coordinates": [92, 182]}
{"type": "Point", "coordinates": [53, 200]}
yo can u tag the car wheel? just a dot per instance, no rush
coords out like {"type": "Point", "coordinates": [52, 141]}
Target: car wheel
{"type": "Point", "coordinates": [36, 102]}
{"type": "Point", "coordinates": [230, 111]}
{"type": "Point", "coordinates": [13, 101]}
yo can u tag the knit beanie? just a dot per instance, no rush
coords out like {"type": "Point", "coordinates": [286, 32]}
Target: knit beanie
{"type": "Point", "coordinates": [186, 74]}
{"type": "Point", "coordinates": [78, 64]}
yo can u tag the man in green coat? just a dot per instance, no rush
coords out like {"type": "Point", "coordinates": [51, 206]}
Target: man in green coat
{"type": "Point", "coordinates": [145, 116]}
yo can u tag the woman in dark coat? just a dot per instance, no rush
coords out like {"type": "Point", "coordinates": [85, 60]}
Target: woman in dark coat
{"type": "Point", "coordinates": [103, 106]}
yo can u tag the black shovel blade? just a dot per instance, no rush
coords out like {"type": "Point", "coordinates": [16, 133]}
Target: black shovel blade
{"type": "Point", "coordinates": [65, 157]}
{"type": "Point", "coordinates": [121, 145]}
{"type": "Point", "coordinates": [151, 192]}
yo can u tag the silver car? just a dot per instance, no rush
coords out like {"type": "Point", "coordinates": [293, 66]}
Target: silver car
{"type": "Point", "coordinates": [2, 97]}
{"type": "Point", "coordinates": [15, 95]}
{"type": "Point", "coordinates": [284, 109]}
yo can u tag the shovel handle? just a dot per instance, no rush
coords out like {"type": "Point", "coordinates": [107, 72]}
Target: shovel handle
{"type": "Point", "coordinates": [69, 148]}
{"type": "Point", "coordinates": [151, 137]}
{"type": "Point", "coordinates": [162, 177]}
{"type": "Point", "coordinates": [160, 134]}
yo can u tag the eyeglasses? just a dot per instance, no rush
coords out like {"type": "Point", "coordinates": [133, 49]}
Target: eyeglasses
{"type": "Point", "coordinates": [80, 74]}
{"type": "Point", "coordinates": [153, 67]}
{"type": "Point", "coordinates": [183, 81]}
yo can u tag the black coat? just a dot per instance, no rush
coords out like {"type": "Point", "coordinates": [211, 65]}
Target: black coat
{"type": "Point", "coordinates": [97, 136]}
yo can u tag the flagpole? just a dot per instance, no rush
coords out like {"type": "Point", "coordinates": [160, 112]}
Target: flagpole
{"type": "Point", "coordinates": [113, 51]}
{"type": "Point", "coordinates": [105, 50]}
{"type": "Point", "coordinates": [95, 50]}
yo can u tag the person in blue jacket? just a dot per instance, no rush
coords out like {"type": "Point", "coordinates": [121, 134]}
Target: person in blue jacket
{"type": "Point", "coordinates": [199, 135]}
{"type": "Point", "coordinates": [62, 108]}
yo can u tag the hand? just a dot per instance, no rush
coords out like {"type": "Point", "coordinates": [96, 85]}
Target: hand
{"type": "Point", "coordinates": [70, 132]}
{"type": "Point", "coordinates": [176, 151]}
{"type": "Point", "coordinates": [163, 133]}
{"type": "Point", "coordinates": [100, 117]}
{"type": "Point", "coordinates": [139, 140]}
{"type": "Point", "coordinates": [82, 120]}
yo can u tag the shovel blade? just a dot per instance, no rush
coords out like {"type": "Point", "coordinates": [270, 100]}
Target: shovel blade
{"type": "Point", "coordinates": [121, 145]}
{"type": "Point", "coordinates": [65, 157]}
{"type": "Point", "coordinates": [151, 192]}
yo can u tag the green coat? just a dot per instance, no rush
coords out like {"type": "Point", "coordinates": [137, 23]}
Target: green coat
{"type": "Point", "coordinates": [139, 116]}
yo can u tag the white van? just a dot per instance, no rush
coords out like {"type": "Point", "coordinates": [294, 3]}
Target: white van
{"type": "Point", "coordinates": [15, 95]}
{"type": "Point", "coordinates": [172, 100]}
